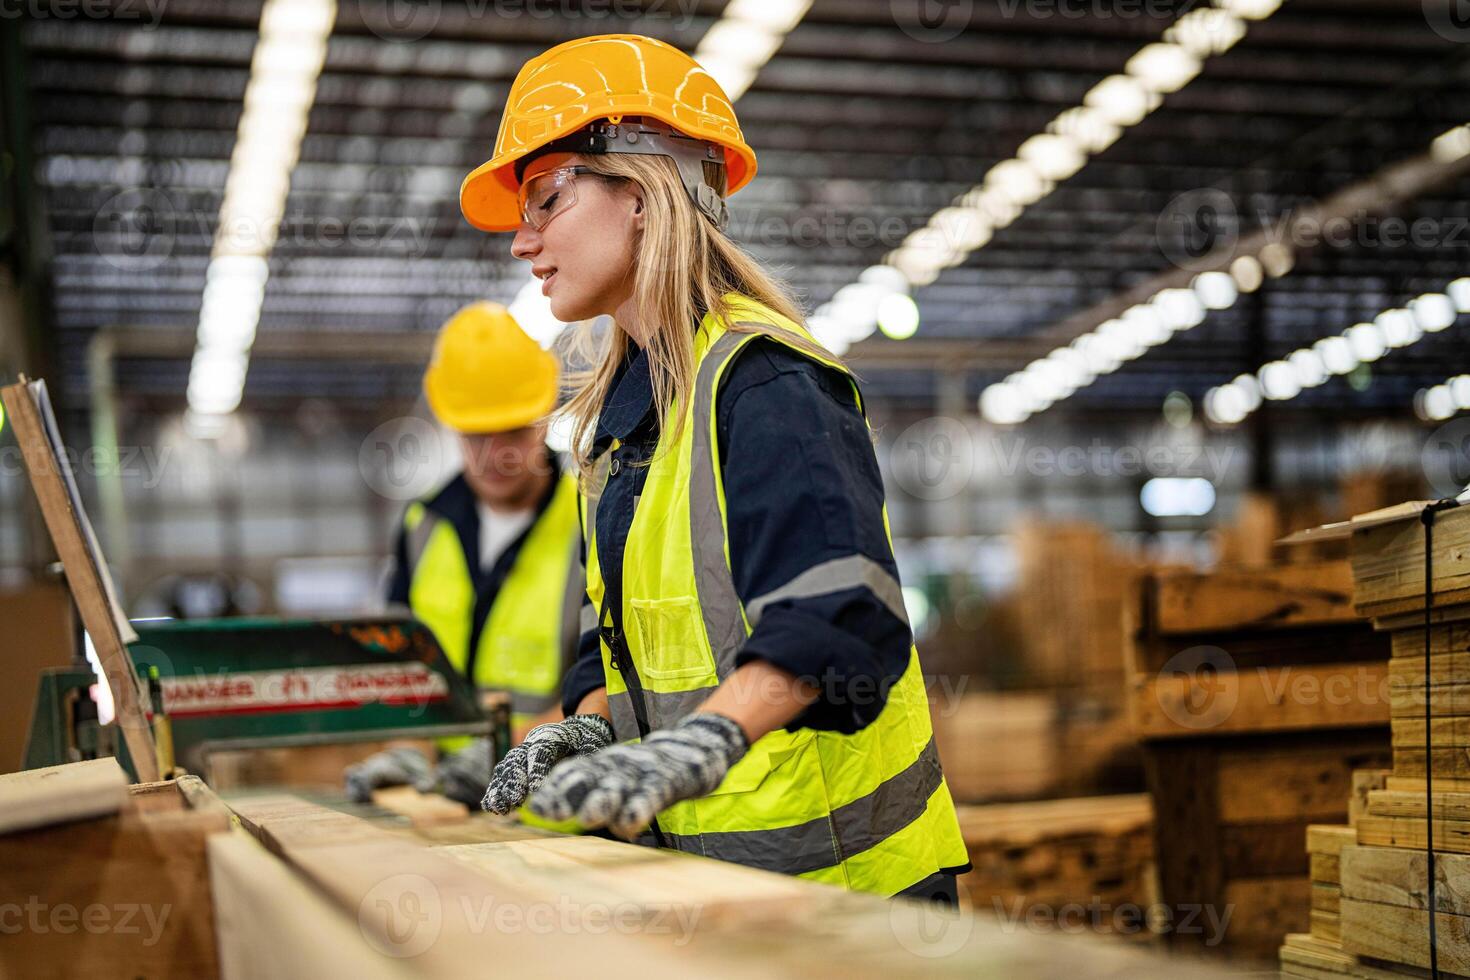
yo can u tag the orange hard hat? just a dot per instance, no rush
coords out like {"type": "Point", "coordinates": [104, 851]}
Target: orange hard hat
{"type": "Point", "coordinates": [590, 79]}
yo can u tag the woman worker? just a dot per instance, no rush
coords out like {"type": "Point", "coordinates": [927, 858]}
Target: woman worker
{"type": "Point", "coordinates": [746, 687]}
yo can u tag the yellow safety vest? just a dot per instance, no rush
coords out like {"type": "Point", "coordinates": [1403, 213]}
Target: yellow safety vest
{"type": "Point", "coordinates": [531, 632]}
{"type": "Point", "coordinates": [870, 810]}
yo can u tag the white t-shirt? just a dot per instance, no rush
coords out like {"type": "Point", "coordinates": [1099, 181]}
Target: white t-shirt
{"type": "Point", "coordinates": [498, 530]}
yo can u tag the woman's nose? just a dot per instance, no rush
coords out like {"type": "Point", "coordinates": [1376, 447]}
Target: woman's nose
{"type": "Point", "coordinates": [527, 242]}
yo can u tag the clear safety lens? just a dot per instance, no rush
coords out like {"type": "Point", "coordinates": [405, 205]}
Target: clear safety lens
{"type": "Point", "coordinates": [548, 194]}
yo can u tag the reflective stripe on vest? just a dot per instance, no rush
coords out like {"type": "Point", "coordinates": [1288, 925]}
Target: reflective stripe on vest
{"type": "Point", "coordinates": [530, 637]}
{"type": "Point", "coordinates": [869, 810]}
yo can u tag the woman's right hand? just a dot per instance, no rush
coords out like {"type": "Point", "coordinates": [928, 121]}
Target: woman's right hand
{"type": "Point", "coordinates": [525, 766]}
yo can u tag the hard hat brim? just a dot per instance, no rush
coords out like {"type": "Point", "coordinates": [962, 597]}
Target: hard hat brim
{"type": "Point", "coordinates": [487, 421]}
{"type": "Point", "coordinates": [488, 196]}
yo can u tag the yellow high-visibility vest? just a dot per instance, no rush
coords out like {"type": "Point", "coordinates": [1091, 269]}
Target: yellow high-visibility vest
{"type": "Point", "coordinates": [530, 634]}
{"type": "Point", "coordinates": [869, 810]}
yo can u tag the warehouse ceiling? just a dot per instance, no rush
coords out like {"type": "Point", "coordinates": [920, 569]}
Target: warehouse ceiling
{"type": "Point", "coordinates": [864, 130]}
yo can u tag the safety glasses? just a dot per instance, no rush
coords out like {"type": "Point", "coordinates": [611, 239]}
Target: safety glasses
{"type": "Point", "coordinates": [548, 194]}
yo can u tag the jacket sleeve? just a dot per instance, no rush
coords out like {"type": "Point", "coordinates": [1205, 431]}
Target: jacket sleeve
{"type": "Point", "coordinates": [808, 543]}
{"type": "Point", "coordinates": [398, 576]}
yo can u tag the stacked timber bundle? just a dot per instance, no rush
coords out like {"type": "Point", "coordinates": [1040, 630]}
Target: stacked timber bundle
{"type": "Point", "coordinates": [1255, 694]}
{"type": "Point", "coordinates": [1067, 865]}
{"type": "Point", "coordinates": [1385, 883]}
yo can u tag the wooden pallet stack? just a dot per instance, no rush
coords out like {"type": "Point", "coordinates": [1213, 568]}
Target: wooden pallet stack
{"type": "Point", "coordinates": [1383, 924]}
{"type": "Point", "coordinates": [1058, 862]}
{"type": "Point", "coordinates": [1255, 696]}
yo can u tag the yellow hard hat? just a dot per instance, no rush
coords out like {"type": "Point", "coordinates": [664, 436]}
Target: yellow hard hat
{"type": "Point", "coordinates": [593, 78]}
{"type": "Point", "coordinates": [487, 375]}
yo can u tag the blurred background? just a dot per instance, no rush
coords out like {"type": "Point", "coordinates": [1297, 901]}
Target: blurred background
{"type": "Point", "coordinates": [1131, 284]}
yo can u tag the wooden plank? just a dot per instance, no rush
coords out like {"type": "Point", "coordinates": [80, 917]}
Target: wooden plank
{"type": "Point", "coordinates": [50, 474]}
{"type": "Point", "coordinates": [1303, 949]}
{"type": "Point", "coordinates": [1396, 803]}
{"type": "Point", "coordinates": [1451, 762]}
{"type": "Point", "coordinates": [1330, 838]}
{"type": "Point", "coordinates": [1326, 925]}
{"type": "Point", "coordinates": [1326, 898]}
{"type": "Point", "coordinates": [1365, 781]}
{"type": "Point", "coordinates": [421, 809]}
{"type": "Point", "coordinates": [55, 794]}
{"type": "Point", "coordinates": [1289, 698]}
{"type": "Point", "coordinates": [1400, 935]}
{"type": "Point", "coordinates": [827, 931]}
{"type": "Point", "coordinates": [1446, 733]}
{"type": "Point", "coordinates": [271, 923]}
{"type": "Point", "coordinates": [1182, 777]}
{"type": "Point", "coordinates": [141, 876]}
{"type": "Point", "coordinates": [1326, 869]}
{"type": "Point", "coordinates": [1415, 784]}
{"type": "Point", "coordinates": [1269, 598]}
{"type": "Point", "coordinates": [1449, 835]}
{"type": "Point", "coordinates": [1288, 781]}
{"type": "Point", "coordinates": [1388, 562]}
{"type": "Point", "coordinates": [1399, 876]}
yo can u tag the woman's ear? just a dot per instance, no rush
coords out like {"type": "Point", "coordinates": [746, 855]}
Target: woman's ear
{"type": "Point", "coordinates": [638, 211]}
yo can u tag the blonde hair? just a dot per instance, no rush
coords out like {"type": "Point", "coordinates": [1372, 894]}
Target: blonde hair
{"type": "Point", "coordinates": [683, 268]}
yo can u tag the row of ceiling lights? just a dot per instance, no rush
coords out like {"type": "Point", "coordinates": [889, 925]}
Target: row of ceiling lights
{"type": "Point", "coordinates": [1154, 321]}
{"type": "Point", "coordinates": [1043, 161]}
{"type": "Point", "coordinates": [283, 73]}
{"type": "Point", "coordinates": [1363, 343]}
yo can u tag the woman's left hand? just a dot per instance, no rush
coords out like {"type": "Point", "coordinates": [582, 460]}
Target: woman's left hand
{"type": "Point", "coordinates": [625, 786]}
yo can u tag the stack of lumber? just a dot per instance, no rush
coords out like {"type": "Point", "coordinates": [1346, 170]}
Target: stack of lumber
{"type": "Point", "coordinates": [1092, 857]}
{"type": "Point", "coordinates": [1072, 582]}
{"type": "Point", "coordinates": [1384, 909]}
{"type": "Point", "coordinates": [1255, 695]}
{"type": "Point", "coordinates": [304, 891]}
{"type": "Point", "coordinates": [971, 730]}
{"type": "Point", "coordinates": [99, 879]}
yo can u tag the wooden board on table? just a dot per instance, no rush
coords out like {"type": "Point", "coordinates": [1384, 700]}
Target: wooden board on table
{"type": "Point", "coordinates": [270, 922]}
{"type": "Point", "coordinates": [421, 809]}
{"type": "Point", "coordinates": [49, 470]}
{"type": "Point", "coordinates": [487, 914]}
{"type": "Point", "coordinates": [146, 862]}
{"type": "Point", "coordinates": [1287, 698]}
{"type": "Point", "coordinates": [55, 794]}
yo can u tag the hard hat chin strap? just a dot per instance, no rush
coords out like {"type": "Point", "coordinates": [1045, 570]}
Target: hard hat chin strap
{"type": "Point", "coordinates": [649, 137]}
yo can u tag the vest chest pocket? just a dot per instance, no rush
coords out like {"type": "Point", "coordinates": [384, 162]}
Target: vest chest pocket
{"type": "Point", "coordinates": [671, 642]}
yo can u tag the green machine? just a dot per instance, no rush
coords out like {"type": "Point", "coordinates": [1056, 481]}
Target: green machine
{"type": "Point", "coordinates": [259, 683]}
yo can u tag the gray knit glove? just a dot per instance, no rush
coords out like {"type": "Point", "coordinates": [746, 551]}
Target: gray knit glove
{"type": "Point", "coordinates": [626, 786]}
{"type": "Point", "coordinates": [402, 766]}
{"type": "Point", "coordinates": [462, 776]}
{"type": "Point", "coordinates": [524, 766]}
